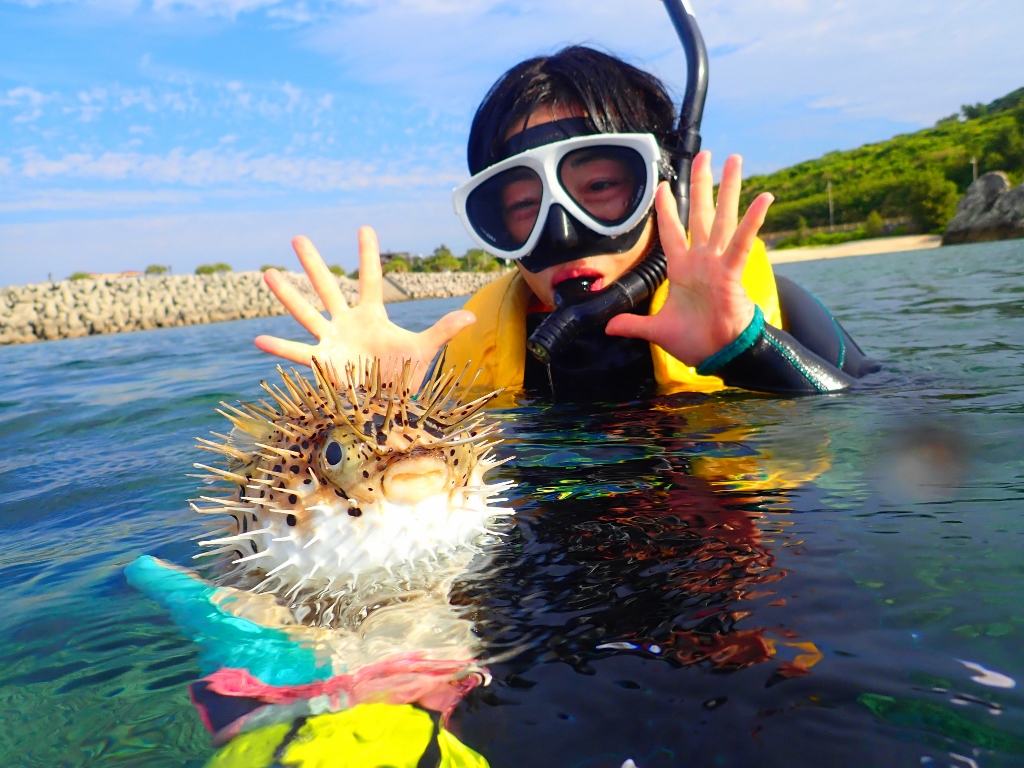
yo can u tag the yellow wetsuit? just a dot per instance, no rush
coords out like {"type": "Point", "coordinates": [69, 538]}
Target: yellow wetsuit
{"type": "Point", "coordinates": [497, 340]}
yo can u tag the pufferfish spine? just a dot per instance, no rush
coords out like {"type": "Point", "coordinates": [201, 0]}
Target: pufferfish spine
{"type": "Point", "coordinates": [329, 485]}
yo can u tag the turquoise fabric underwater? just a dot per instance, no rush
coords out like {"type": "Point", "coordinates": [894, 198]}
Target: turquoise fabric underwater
{"type": "Point", "coordinates": [726, 580]}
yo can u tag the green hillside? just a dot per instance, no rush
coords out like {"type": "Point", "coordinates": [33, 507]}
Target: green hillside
{"type": "Point", "coordinates": [919, 175]}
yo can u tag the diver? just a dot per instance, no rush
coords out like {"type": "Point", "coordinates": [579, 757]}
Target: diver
{"type": "Point", "coordinates": [573, 160]}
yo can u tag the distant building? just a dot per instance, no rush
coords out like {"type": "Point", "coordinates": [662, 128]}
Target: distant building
{"type": "Point", "coordinates": [414, 260]}
{"type": "Point", "coordinates": [389, 255]}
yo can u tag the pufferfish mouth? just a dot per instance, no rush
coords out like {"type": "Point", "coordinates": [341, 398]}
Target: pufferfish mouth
{"type": "Point", "coordinates": [413, 479]}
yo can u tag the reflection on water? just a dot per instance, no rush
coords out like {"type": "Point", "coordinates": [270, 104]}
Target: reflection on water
{"type": "Point", "coordinates": [697, 580]}
{"type": "Point", "coordinates": [637, 548]}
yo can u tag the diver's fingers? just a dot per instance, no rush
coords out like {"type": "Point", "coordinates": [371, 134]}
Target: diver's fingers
{"type": "Point", "coordinates": [670, 228]}
{"type": "Point", "coordinates": [735, 256]}
{"type": "Point", "coordinates": [295, 303]}
{"type": "Point", "coordinates": [324, 283]}
{"type": "Point", "coordinates": [445, 329]}
{"type": "Point", "coordinates": [702, 203]}
{"type": "Point", "coordinates": [370, 277]}
{"type": "Point", "coordinates": [630, 326]}
{"type": "Point", "coordinates": [289, 350]}
{"type": "Point", "coordinates": [727, 212]}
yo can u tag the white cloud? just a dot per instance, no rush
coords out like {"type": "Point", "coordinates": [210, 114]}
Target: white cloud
{"type": "Point", "coordinates": [28, 100]}
{"type": "Point", "coordinates": [909, 62]}
{"type": "Point", "coordinates": [228, 8]}
{"type": "Point", "coordinates": [874, 58]}
{"type": "Point", "coordinates": [299, 13]}
{"type": "Point", "coordinates": [112, 101]}
{"type": "Point", "coordinates": [91, 104]}
{"type": "Point", "coordinates": [226, 167]}
{"type": "Point", "coordinates": [903, 62]}
{"type": "Point", "coordinates": [5, 166]}
{"type": "Point", "coordinates": [294, 96]}
{"type": "Point", "coordinates": [81, 200]}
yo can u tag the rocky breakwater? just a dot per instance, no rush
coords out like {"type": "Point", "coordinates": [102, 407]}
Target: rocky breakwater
{"type": "Point", "coordinates": [991, 210]}
{"type": "Point", "coordinates": [73, 308]}
{"type": "Point", "coordinates": [433, 285]}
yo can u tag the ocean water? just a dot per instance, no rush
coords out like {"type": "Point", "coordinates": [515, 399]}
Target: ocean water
{"type": "Point", "coordinates": [725, 580]}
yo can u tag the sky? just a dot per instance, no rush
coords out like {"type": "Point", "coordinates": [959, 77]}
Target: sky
{"type": "Point", "coordinates": [183, 132]}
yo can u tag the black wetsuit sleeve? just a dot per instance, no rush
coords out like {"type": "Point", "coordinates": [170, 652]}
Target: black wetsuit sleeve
{"type": "Point", "coordinates": [806, 320]}
{"type": "Point", "coordinates": [816, 355]}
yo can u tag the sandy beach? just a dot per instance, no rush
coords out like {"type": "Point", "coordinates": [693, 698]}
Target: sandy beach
{"type": "Point", "coordinates": [857, 248]}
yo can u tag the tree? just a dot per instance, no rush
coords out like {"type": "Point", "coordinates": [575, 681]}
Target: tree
{"type": "Point", "coordinates": [265, 267]}
{"type": "Point", "coordinates": [801, 230]}
{"type": "Point", "coordinates": [933, 200]}
{"type": "Point", "coordinates": [875, 225]}
{"type": "Point", "coordinates": [441, 260]}
{"type": "Point", "coordinates": [880, 176]}
{"type": "Point", "coordinates": [209, 269]}
{"type": "Point", "coordinates": [395, 264]}
{"type": "Point", "coordinates": [335, 269]}
{"type": "Point", "coordinates": [479, 260]}
{"type": "Point", "coordinates": [80, 276]}
{"type": "Point", "coordinates": [157, 269]}
{"type": "Point", "coordinates": [973, 111]}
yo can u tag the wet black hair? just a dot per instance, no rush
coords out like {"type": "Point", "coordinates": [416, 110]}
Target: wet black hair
{"type": "Point", "coordinates": [614, 96]}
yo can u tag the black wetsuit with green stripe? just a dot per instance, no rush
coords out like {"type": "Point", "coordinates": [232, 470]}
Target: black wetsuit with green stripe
{"type": "Point", "coordinates": [812, 353]}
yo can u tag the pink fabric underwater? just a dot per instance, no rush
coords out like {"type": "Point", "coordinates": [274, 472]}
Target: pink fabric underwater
{"type": "Point", "coordinates": [234, 700]}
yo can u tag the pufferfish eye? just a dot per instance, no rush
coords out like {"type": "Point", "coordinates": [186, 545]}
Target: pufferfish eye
{"type": "Point", "coordinates": [333, 453]}
{"type": "Point", "coordinates": [339, 460]}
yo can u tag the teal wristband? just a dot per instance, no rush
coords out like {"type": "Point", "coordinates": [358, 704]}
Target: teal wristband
{"type": "Point", "coordinates": [743, 342]}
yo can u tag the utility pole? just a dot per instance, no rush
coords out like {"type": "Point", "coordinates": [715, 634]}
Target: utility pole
{"type": "Point", "coordinates": [974, 162]}
{"type": "Point", "coordinates": [831, 209]}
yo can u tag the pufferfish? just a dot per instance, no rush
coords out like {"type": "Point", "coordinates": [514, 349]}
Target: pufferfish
{"type": "Point", "coordinates": [331, 485]}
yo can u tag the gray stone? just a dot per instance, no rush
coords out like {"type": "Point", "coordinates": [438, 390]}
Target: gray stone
{"type": "Point", "coordinates": [70, 309]}
{"type": "Point", "coordinates": [991, 210]}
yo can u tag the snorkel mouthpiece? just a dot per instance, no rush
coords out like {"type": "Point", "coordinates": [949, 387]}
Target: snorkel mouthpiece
{"type": "Point", "coordinates": [571, 317]}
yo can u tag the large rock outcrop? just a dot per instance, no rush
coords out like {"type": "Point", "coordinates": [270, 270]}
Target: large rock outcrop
{"type": "Point", "coordinates": [991, 210]}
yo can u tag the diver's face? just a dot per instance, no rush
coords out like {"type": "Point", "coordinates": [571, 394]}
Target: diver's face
{"type": "Point", "coordinates": [520, 203]}
{"type": "Point", "coordinates": [585, 181]}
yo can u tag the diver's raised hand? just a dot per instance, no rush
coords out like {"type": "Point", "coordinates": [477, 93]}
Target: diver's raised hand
{"type": "Point", "coordinates": [707, 306]}
{"type": "Point", "coordinates": [363, 330]}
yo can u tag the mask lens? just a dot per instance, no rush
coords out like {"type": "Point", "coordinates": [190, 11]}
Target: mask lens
{"type": "Point", "coordinates": [608, 182]}
{"type": "Point", "coordinates": [503, 210]}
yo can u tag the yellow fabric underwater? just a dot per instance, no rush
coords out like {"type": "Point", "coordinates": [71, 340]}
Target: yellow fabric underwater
{"type": "Point", "coordinates": [497, 340]}
{"type": "Point", "coordinates": [366, 736]}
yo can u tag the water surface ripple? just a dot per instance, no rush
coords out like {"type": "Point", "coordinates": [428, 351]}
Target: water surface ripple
{"type": "Point", "coordinates": [695, 580]}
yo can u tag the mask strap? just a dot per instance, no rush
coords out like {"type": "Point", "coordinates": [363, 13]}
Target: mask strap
{"type": "Point", "coordinates": [545, 133]}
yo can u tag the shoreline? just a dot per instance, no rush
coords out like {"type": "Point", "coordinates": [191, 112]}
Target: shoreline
{"type": "Point", "coordinates": [872, 247]}
{"type": "Point", "coordinates": [71, 309]}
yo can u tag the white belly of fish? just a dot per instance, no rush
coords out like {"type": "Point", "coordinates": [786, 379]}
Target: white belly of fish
{"type": "Point", "coordinates": [334, 549]}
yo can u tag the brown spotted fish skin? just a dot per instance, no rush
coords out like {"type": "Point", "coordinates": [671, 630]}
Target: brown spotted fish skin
{"type": "Point", "coordinates": [323, 486]}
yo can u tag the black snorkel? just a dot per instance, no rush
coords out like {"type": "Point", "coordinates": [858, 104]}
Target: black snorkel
{"type": "Point", "coordinates": [573, 315]}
